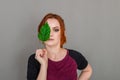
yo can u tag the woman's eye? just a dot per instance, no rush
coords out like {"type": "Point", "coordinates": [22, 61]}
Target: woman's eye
{"type": "Point", "coordinates": [56, 30]}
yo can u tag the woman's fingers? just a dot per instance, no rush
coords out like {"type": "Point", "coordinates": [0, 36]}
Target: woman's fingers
{"type": "Point", "coordinates": [39, 52]}
{"type": "Point", "coordinates": [41, 55]}
{"type": "Point", "coordinates": [45, 53]}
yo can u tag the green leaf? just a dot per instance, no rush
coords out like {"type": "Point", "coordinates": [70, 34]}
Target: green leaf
{"type": "Point", "coordinates": [44, 33]}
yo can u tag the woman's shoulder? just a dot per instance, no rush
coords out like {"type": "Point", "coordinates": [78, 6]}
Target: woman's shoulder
{"type": "Point", "coordinates": [79, 58]}
{"type": "Point", "coordinates": [31, 59]}
{"type": "Point", "coordinates": [73, 52]}
{"type": "Point", "coordinates": [32, 56]}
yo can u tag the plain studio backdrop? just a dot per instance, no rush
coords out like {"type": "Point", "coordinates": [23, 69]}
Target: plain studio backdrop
{"type": "Point", "coordinates": [92, 27]}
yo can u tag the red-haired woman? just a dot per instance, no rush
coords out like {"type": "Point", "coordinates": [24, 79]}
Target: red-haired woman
{"type": "Point", "coordinates": [55, 62]}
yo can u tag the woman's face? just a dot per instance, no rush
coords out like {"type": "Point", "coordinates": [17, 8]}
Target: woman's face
{"type": "Point", "coordinates": [55, 32]}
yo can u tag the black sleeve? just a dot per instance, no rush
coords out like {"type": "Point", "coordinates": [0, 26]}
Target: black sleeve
{"type": "Point", "coordinates": [33, 68]}
{"type": "Point", "coordinates": [79, 58]}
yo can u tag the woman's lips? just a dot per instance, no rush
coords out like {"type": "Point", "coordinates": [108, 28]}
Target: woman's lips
{"type": "Point", "coordinates": [51, 39]}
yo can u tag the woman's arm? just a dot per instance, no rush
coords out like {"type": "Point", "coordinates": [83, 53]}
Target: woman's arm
{"type": "Point", "coordinates": [42, 73]}
{"type": "Point", "coordinates": [86, 73]}
{"type": "Point", "coordinates": [41, 57]}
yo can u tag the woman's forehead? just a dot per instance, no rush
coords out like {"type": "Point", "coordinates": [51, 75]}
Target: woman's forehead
{"type": "Point", "coordinates": [53, 22]}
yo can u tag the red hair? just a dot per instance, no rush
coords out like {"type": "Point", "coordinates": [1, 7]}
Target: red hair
{"type": "Point", "coordinates": [62, 26]}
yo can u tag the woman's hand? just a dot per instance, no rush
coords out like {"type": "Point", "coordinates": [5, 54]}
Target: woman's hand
{"type": "Point", "coordinates": [41, 56]}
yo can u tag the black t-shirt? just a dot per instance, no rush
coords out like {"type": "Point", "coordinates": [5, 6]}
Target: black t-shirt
{"type": "Point", "coordinates": [34, 66]}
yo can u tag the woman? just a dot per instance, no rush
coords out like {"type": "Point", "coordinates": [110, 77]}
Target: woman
{"type": "Point", "coordinates": [55, 62]}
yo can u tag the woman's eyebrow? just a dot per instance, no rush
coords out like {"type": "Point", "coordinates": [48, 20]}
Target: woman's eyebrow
{"type": "Point", "coordinates": [56, 27]}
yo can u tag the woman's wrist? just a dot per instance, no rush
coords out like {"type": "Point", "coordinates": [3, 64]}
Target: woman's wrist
{"type": "Point", "coordinates": [44, 66]}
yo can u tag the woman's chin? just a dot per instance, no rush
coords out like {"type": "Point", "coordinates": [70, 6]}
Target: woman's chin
{"type": "Point", "coordinates": [49, 43]}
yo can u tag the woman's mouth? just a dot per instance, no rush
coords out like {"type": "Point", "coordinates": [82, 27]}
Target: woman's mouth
{"type": "Point", "coordinates": [51, 39]}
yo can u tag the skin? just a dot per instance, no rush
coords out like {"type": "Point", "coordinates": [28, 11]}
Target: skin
{"type": "Point", "coordinates": [54, 52]}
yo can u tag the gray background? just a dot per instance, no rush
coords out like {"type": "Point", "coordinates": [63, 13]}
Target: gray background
{"type": "Point", "coordinates": [92, 27]}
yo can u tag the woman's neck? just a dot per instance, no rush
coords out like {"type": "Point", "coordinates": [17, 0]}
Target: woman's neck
{"type": "Point", "coordinates": [55, 53]}
{"type": "Point", "coordinates": [53, 49]}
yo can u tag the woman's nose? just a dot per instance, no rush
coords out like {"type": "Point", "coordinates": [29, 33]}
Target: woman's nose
{"type": "Point", "coordinates": [51, 33]}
